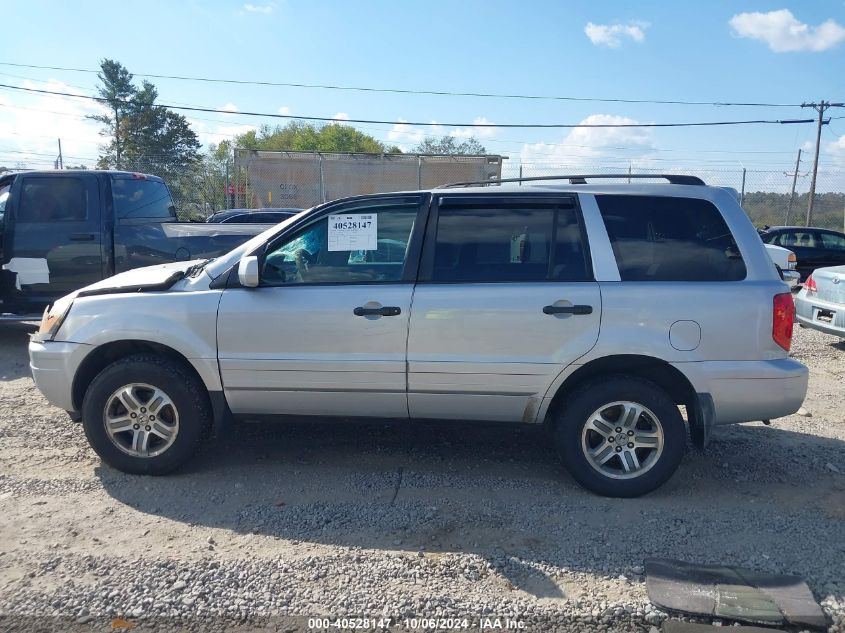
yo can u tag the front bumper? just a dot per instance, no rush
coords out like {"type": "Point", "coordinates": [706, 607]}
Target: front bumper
{"type": "Point", "coordinates": [746, 391]}
{"type": "Point", "coordinates": [808, 309]}
{"type": "Point", "coordinates": [53, 365]}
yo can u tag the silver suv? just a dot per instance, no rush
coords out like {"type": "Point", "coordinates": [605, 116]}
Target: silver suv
{"type": "Point", "coordinates": [621, 316]}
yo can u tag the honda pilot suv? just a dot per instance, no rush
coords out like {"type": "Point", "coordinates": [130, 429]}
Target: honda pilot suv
{"type": "Point", "coordinates": [623, 317]}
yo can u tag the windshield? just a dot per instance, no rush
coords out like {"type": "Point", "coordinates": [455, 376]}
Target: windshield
{"type": "Point", "coordinates": [224, 262]}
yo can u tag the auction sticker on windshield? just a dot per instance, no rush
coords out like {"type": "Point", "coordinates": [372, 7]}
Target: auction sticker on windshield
{"type": "Point", "coordinates": [356, 232]}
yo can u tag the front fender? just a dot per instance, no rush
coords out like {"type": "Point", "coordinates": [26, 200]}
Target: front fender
{"type": "Point", "coordinates": [183, 321]}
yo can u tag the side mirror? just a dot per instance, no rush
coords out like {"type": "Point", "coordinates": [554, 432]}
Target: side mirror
{"type": "Point", "coordinates": [248, 272]}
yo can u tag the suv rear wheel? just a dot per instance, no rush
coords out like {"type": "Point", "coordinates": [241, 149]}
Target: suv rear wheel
{"type": "Point", "coordinates": [621, 436]}
{"type": "Point", "coordinates": [145, 415]}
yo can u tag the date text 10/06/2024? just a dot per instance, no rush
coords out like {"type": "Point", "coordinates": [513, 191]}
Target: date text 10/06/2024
{"type": "Point", "coordinates": [417, 624]}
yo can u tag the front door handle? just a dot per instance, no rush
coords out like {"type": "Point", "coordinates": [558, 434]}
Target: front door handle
{"type": "Point", "coordinates": [385, 311]}
{"type": "Point", "coordinates": [81, 237]}
{"type": "Point", "coordinates": [578, 309]}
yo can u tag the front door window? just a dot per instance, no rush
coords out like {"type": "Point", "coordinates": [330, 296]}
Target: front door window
{"type": "Point", "coordinates": [361, 245]}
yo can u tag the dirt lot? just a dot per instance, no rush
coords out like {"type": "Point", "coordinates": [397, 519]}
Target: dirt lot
{"type": "Point", "coordinates": [385, 521]}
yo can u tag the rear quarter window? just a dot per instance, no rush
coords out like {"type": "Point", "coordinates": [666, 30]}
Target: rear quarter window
{"type": "Point", "coordinates": [670, 239]}
{"type": "Point", "coordinates": [138, 198]}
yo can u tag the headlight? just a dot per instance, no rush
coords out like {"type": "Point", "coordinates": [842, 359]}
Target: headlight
{"type": "Point", "coordinates": [52, 320]}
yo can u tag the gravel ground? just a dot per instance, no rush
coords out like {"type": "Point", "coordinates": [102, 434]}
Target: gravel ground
{"type": "Point", "coordinates": [439, 521]}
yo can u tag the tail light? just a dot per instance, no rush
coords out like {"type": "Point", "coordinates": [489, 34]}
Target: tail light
{"type": "Point", "coordinates": [810, 285]}
{"type": "Point", "coordinates": [792, 261]}
{"type": "Point", "coordinates": [783, 317]}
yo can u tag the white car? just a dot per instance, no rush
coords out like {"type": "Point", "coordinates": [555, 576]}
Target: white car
{"type": "Point", "coordinates": [596, 310]}
{"type": "Point", "coordinates": [821, 303]}
{"type": "Point", "coordinates": [786, 263]}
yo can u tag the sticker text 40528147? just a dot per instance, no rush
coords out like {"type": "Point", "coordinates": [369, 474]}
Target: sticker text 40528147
{"type": "Point", "coordinates": [353, 232]}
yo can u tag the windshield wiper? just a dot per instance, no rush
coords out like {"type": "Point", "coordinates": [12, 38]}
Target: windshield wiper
{"type": "Point", "coordinates": [196, 269]}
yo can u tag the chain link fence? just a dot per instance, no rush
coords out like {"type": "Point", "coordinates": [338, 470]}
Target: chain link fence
{"type": "Point", "coordinates": [765, 194]}
{"type": "Point", "coordinates": [303, 179]}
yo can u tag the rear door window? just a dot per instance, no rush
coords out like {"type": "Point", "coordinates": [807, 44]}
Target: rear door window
{"type": "Point", "coordinates": [832, 241]}
{"type": "Point", "coordinates": [670, 239]}
{"type": "Point", "coordinates": [138, 198]}
{"type": "Point", "coordinates": [502, 242]}
{"type": "Point", "coordinates": [52, 199]}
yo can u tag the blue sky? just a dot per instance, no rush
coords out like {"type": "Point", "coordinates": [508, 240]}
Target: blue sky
{"type": "Point", "coordinates": [714, 50]}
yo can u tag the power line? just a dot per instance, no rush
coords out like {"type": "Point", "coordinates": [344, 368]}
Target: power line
{"type": "Point", "coordinates": [436, 124]}
{"type": "Point", "coordinates": [442, 93]}
{"type": "Point", "coordinates": [64, 83]}
{"type": "Point", "coordinates": [537, 152]}
{"type": "Point", "coordinates": [500, 141]}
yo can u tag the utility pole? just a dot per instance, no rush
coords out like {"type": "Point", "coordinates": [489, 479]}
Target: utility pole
{"type": "Point", "coordinates": [226, 186]}
{"type": "Point", "coordinates": [820, 108]}
{"type": "Point", "coordinates": [59, 162]}
{"type": "Point", "coordinates": [792, 195]}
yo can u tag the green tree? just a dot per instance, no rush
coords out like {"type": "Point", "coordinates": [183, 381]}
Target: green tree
{"type": "Point", "coordinates": [116, 92]}
{"type": "Point", "coordinates": [158, 140]}
{"type": "Point", "coordinates": [298, 136]}
{"type": "Point", "coordinates": [209, 178]}
{"type": "Point", "coordinates": [768, 207]}
{"type": "Point", "coordinates": [143, 136]}
{"type": "Point", "coordinates": [449, 145]}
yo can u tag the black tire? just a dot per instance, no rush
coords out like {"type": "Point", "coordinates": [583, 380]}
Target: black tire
{"type": "Point", "coordinates": [188, 395]}
{"type": "Point", "coordinates": [576, 413]}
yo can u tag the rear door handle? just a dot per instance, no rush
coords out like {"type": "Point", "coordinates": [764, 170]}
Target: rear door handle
{"type": "Point", "coordinates": [579, 309]}
{"type": "Point", "coordinates": [385, 311]}
{"type": "Point", "coordinates": [81, 237]}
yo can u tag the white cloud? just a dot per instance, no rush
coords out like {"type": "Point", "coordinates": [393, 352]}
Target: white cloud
{"type": "Point", "coordinates": [784, 33]}
{"type": "Point", "coordinates": [477, 132]}
{"type": "Point", "coordinates": [284, 110]}
{"type": "Point", "coordinates": [586, 145]}
{"type": "Point", "coordinates": [835, 153]}
{"type": "Point", "coordinates": [407, 136]}
{"type": "Point", "coordinates": [266, 8]}
{"type": "Point", "coordinates": [31, 125]}
{"type": "Point", "coordinates": [211, 132]}
{"type": "Point", "coordinates": [341, 116]}
{"type": "Point", "coordinates": [612, 35]}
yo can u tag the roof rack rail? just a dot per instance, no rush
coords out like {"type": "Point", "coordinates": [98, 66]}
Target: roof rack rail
{"type": "Point", "coordinates": [581, 179]}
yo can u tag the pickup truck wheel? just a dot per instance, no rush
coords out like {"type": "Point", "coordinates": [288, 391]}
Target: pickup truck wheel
{"type": "Point", "coordinates": [621, 436]}
{"type": "Point", "coordinates": [145, 415]}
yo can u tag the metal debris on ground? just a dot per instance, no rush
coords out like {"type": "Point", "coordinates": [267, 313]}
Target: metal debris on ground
{"type": "Point", "coordinates": [679, 626]}
{"type": "Point", "coordinates": [732, 593]}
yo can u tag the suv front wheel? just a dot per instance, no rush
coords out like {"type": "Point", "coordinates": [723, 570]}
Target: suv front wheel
{"type": "Point", "coordinates": [621, 436]}
{"type": "Point", "coordinates": [145, 415]}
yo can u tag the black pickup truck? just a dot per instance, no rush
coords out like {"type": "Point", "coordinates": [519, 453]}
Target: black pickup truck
{"type": "Point", "coordinates": [62, 230]}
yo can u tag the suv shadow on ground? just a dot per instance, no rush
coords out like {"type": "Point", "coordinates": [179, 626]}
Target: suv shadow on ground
{"type": "Point", "coordinates": [500, 493]}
